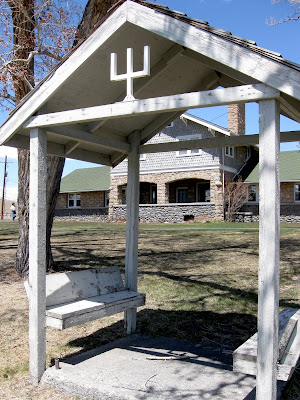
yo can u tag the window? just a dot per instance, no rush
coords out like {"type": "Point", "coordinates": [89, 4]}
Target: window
{"type": "Point", "coordinates": [170, 125]}
{"type": "Point", "coordinates": [203, 192]}
{"type": "Point", "coordinates": [74, 200]}
{"type": "Point", "coordinates": [253, 194]}
{"type": "Point", "coordinates": [297, 192]}
{"type": "Point", "coordinates": [229, 151]}
{"type": "Point", "coordinates": [182, 195]}
{"type": "Point", "coordinates": [248, 152]}
{"type": "Point", "coordinates": [142, 157]}
{"type": "Point", "coordinates": [153, 194]}
{"type": "Point", "coordinates": [188, 152]}
{"type": "Point", "coordinates": [106, 199]}
{"type": "Point", "coordinates": [192, 152]}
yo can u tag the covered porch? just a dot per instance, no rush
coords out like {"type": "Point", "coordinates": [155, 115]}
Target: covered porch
{"type": "Point", "coordinates": [68, 115]}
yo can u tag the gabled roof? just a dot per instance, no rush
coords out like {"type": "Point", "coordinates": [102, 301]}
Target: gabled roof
{"type": "Point", "coordinates": [289, 168]}
{"type": "Point", "coordinates": [208, 124]}
{"type": "Point", "coordinates": [86, 117]}
{"type": "Point", "coordinates": [86, 180]}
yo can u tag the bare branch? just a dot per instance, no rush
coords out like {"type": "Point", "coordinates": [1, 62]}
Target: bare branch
{"type": "Point", "coordinates": [294, 14]}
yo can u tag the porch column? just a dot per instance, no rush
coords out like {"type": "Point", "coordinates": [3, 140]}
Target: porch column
{"type": "Point", "coordinates": [162, 192]}
{"type": "Point", "coordinates": [132, 225]}
{"type": "Point", "coordinates": [37, 254]}
{"type": "Point", "coordinates": [269, 249]}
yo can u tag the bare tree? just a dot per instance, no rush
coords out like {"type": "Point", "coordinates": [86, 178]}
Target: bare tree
{"type": "Point", "coordinates": [34, 35]}
{"type": "Point", "coordinates": [293, 13]}
{"type": "Point", "coordinates": [236, 195]}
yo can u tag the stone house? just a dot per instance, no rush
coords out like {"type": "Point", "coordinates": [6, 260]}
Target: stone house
{"type": "Point", "coordinates": [84, 192]}
{"type": "Point", "coordinates": [289, 189]}
{"type": "Point", "coordinates": [185, 184]}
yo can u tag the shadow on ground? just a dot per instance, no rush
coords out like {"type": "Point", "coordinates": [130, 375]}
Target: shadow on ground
{"type": "Point", "coordinates": [210, 330]}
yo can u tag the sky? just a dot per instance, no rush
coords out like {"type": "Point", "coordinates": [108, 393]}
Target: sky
{"type": "Point", "coordinates": [244, 18]}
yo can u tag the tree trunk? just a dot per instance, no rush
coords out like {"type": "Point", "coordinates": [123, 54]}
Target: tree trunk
{"type": "Point", "coordinates": [24, 32]}
{"type": "Point", "coordinates": [23, 28]}
{"type": "Point", "coordinates": [55, 167]}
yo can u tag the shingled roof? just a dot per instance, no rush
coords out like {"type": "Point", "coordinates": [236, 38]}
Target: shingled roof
{"type": "Point", "coordinates": [204, 25]}
{"type": "Point", "coordinates": [289, 168]}
{"type": "Point", "coordinates": [86, 116]}
{"type": "Point", "coordinates": [86, 180]}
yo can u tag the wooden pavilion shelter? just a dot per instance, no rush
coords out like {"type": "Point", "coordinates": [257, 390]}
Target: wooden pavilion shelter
{"type": "Point", "coordinates": [81, 110]}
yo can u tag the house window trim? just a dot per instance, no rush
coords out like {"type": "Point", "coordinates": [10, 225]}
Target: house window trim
{"type": "Point", "coordinates": [256, 201]}
{"type": "Point", "coordinates": [197, 192]}
{"type": "Point", "coordinates": [296, 184]}
{"type": "Point", "coordinates": [177, 189]}
{"type": "Point", "coordinates": [106, 199]}
{"type": "Point", "coordinates": [75, 200]}
{"type": "Point", "coordinates": [189, 152]}
{"type": "Point", "coordinates": [227, 154]}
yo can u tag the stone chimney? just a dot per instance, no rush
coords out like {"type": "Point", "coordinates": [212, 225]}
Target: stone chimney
{"type": "Point", "coordinates": [236, 118]}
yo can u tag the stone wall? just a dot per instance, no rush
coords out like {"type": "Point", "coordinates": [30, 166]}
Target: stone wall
{"type": "Point", "coordinates": [170, 213]}
{"type": "Point", "coordinates": [289, 212]}
{"type": "Point", "coordinates": [82, 214]}
{"type": "Point", "coordinates": [162, 180]}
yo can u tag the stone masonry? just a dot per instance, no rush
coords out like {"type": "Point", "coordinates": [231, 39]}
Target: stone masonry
{"type": "Point", "coordinates": [162, 180]}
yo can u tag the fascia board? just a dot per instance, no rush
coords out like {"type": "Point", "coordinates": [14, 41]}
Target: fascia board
{"type": "Point", "coordinates": [227, 53]}
{"type": "Point", "coordinates": [201, 121]}
{"type": "Point", "coordinates": [59, 76]}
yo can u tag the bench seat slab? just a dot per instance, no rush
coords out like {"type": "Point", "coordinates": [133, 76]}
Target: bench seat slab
{"type": "Point", "coordinates": [81, 311]}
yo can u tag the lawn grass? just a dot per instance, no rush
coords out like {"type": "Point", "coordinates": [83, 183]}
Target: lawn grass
{"type": "Point", "coordinates": [200, 282]}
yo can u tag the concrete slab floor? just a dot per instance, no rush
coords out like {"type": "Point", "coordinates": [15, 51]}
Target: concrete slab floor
{"type": "Point", "coordinates": [132, 369]}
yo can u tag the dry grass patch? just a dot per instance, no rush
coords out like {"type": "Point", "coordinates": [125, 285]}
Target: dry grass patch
{"type": "Point", "coordinates": [201, 285]}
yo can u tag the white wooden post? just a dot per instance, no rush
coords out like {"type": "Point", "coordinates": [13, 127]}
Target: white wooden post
{"type": "Point", "coordinates": [269, 249]}
{"type": "Point", "coordinates": [132, 226]}
{"type": "Point", "coordinates": [37, 254]}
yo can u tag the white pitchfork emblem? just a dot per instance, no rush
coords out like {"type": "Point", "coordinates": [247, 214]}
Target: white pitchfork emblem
{"type": "Point", "coordinates": [130, 75]}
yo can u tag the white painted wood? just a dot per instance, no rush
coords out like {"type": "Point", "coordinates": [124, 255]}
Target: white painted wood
{"type": "Point", "coordinates": [130, 74]}
{"type": "Point", "coordinates": [168, 57]}
{"type": "Point", "coordinates": [225, 52]}
{"type": "Point", "coordinates": [22, 142]}
{"type": "Point", "coordinates": [269, 249]}
{"type": "Point", "coordinates": [37, 254]}
{"type": "Point", "coordinates": [87, 137]}
{"type": "Point", "coordinates": [131, 301]}
{"type": "Point", "coordinates": [210, 143]}
{"type": "Point", "coordinates": [76, 285]}
{"type": "Point", "coordinates": [86, 305]}
{"type": "Point", "coordinates": [71, 146]}
{"type": "Point", "coordinates": [80, 296]}
{"type": "Point", "coordinates": [132, 226]}
{"type": "Point", "coordinates": [245, 356]}
{"type": "Point", "coordinates": [208, 98]}
{"type": "Point", "coordinates": [47, 88]}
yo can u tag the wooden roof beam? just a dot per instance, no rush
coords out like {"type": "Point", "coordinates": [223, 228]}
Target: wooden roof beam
{"type": "Point", "coordinates": [86, 137]}
{"type": "Point", "coordinates": [22, 142]}
{"type": "Point", "coordinates": [180, 102]}
{"type": "Point", "coordinates": [71, 146]}
{"type": "Point", "coordinates": [210, 143]}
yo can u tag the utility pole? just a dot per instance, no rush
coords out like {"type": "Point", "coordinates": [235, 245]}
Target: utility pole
{"type": "Point", "coordinates": [3, 189]}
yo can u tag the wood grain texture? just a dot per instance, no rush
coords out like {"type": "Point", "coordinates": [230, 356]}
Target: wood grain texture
{"type": "Point", "coordinates": [179, 102]}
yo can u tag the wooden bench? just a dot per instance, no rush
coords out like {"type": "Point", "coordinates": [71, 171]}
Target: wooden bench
{"type": "Point", "coordinates": [245, 356]}
{"type": "Point", "coordinates": [76, 297]}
